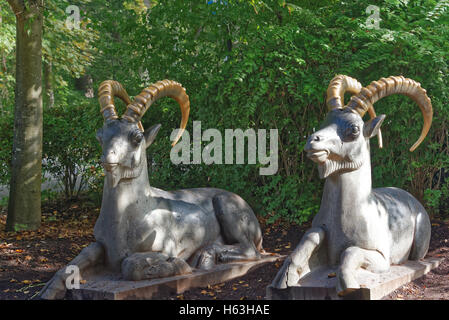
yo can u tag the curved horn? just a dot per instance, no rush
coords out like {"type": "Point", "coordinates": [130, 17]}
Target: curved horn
{"type": "Point", "coordinates": [107, 90]}
{"type": "Point", "coordinates": [165, 88]}
{"type": "Point", "coordinates": [395, 85]}
{"type": "Point", "coordinates": [337, 88]}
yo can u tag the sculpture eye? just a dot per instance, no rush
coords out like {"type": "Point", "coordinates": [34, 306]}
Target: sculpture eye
{"type": "Point", "coordinates": [136, 137]}
{"type": "Point", "coordinates": [353, 131]}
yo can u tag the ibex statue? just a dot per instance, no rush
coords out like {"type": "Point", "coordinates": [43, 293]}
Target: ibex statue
{"type": "Point", "coordinates": [144, 232]}
{"type": "Point", "coordinates": [357, 226]}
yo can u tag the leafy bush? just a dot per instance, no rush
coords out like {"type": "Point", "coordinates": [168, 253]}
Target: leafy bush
{"type": "Point", "coordinates": [262, 65]}
{"type": "Point", "coordinates": [71, 151]}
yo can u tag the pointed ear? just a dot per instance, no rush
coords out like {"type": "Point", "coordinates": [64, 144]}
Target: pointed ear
{"type": "Point", "coordinates": [371, 127]}
{"type": "Point", "coordinates": [151, 134]}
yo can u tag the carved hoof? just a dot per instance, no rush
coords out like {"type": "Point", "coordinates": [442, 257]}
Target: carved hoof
{"type": "Point", "coordinates": [346, 292]}
{"type": "Point", "coordinates": [207, 260]}
{"type": "Point", "coordinates": [54, 289]}
{"type": "Point", "coordinates": [346, 284]}
{"type": "Point", "coordinates": [150, 265]}
{"type": "Point", "coordinates": [171, 267]}
{"type": "Point", "coordinates": [292, 275]}
{"type": "Point", "coordinates": [237, 254]}
{"type": "Point", "coordinates": [287, 276]}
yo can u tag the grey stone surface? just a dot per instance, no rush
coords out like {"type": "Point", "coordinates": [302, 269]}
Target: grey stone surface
{"type": "Point", "coordinates": [110, 286]}
{"type": "Point", "coordinates": [357, 226]}
{"type": "Point", "coordinates": [318, 285]}
{"type": "Point", "coordinates": [144, 232]}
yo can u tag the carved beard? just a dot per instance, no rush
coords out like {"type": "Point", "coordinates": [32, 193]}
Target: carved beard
{"type": "Point", "coordinates": [119, 173]}
{"type": "Point", "coordinates": [330, 167]}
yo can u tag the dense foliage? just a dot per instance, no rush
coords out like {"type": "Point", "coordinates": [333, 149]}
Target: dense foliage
{"type": "Point", "coordinates": [246, 64]}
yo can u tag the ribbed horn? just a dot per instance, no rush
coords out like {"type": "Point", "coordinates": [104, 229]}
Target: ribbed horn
{"type": "Point", "coordinates": [165, 88]}
{"type": "Point", "coordinates": [107, 90]}
{"type": "Point", "coordinates": [337, 88]}
{"type": "Point", "coordinates": [395, 85]}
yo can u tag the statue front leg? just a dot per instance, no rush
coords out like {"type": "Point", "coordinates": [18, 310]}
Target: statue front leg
{"type": "Point", "coordinates": [352, 259]}
{"type": "Point", "coordinates": [89, 257]}
{"type": "Point", "coordinates": [293, 266]}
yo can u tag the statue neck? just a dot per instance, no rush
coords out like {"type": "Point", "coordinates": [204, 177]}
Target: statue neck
{"type": "Point", "coordinates": [128, 195]}
{"type": "Point", "coordinates": [346, 189]}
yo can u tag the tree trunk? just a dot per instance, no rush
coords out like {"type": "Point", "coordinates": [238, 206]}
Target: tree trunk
{"type": "Point", "coordinates": [24, 208]}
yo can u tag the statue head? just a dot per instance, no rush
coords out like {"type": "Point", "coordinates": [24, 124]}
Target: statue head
{"type": "Point", "coordinates": [123, 140]}
{"type": "Point", "coordinates": [342, 142]}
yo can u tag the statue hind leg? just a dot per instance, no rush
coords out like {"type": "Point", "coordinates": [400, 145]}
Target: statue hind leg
{"type": "Point", "coordinates": [421, 238]}
{"type": "Point", "coordinates": [239, 228]}
{"type": "Point", "coordinates": [151, 265]}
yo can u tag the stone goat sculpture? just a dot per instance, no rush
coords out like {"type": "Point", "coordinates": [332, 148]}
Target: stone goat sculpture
{"type": "Point", "coordinates": [144, 232]}
{"type": "Point", "coordinates": [357, 226]}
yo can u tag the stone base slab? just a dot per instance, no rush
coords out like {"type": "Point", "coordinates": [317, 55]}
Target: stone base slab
{"type": "Point", "coordinates": [317, 285]}
{"type": "Point", "coordinates": [110, 286]}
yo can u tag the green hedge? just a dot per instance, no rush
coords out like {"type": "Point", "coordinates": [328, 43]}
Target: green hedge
{"type": "Point", "coordinates": [276, 75]}
{"type": "Point", "coordinates": [267, 65]}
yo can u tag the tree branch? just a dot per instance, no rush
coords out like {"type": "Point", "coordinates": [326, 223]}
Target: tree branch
{"type": "Point", "coordinates": [17, 6]}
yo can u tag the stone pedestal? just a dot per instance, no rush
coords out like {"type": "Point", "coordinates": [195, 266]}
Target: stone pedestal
{"type": "Point", "coordinates": [317, 285]}
{"type": "Point", "coordinates": [109, 286]}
